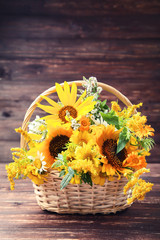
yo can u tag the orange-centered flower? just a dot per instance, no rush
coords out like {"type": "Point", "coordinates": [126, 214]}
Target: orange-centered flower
{"type": "Point", "coordinates": [85, 123]}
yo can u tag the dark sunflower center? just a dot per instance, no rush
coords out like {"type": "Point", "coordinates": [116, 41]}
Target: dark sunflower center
{"type": "Point", "coordinates": [109, 148]}
{"type": "Point", "coordinates": [57, 144]}
{"type": "Point", "coordinates": [62, 112]}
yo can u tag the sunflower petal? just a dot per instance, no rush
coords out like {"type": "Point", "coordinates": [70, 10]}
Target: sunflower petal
{"type": "Point", "coordinates": [50, 101]}
{"type": "Point", "coordinates": [85, 110]}
{"type": "Point", "coordinates": [86, 102]}
{"type": "Point", "coordinates": [68, 94]}
{"type": "Point", "coordinates": [74, 93]}
{"type": "Point", "coordinates": [52, 117]}
{"type": "Point", "coordinates": [61, 94]}
{"type": "Point", "coordinates": [47, 109]}
{"type": "Point", "coordinates": [80, 99]}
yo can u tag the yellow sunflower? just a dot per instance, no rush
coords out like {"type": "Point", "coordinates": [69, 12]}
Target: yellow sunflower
{"type": "Point", "coordinates": [107, 143]}
{"type": "Point", "coordinates": [55, 143]}
{"type": "Point", "coordinates": [69, 105]}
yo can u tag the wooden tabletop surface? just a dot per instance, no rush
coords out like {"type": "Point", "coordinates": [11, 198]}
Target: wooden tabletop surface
{"type": "Point", "coordinates": [48, 41]}
{"type": "Point", "coordinates": [22, 218]}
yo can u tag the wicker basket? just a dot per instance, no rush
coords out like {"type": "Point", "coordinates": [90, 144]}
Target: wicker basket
{"type": "Point", "coordinates": [83, 198]}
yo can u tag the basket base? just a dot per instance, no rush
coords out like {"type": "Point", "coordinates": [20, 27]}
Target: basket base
{"type": "Point", "coordinates": [81, 199]}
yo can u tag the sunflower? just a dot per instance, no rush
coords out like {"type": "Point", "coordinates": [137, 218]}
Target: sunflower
{"type": "Point", "coordinates": [68, 107]}
{"type": "Point", "coordinates": [54, 144]}
{"type": "Point", "coordinates": [107, 143]}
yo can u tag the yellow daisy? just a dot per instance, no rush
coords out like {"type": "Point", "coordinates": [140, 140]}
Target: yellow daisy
{"type": "Point", "coordinates": [87, 151]}
{"type": "Point", "coordinates": [107, 143]}
{"type": "Point", "coordinates": [82, 137]}
{"type": "Point", "coordinates": [68, 105]}
{"type": "Point", "coordinates": [87, 160]}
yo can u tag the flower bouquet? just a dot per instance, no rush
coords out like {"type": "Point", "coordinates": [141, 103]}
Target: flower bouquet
{"type": "Point", "coordinates": [83, 156]}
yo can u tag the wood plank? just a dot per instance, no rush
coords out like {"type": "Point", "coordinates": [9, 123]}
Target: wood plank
{"type": "Point", "coordinates": [21, 218]}
{"type": "Point", "coordinates": [58, 69]}
{"type": "Point", "coordinates": [56, 27]}
{"type": "Point", "coordinates": [73, 8]}
{"type": "Point", "coordinates": [111, 50]}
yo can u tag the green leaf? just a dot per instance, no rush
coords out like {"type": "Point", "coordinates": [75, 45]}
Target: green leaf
{"type": "Point", "coordinates": [103, 105]}
{"type": "Point", "coordinates": [62, 173]}
{"type": "Point", "coordinates": [111, 118]}
{"type": "Point", "coordinates": [86, 178]}
{"type": "Point", "coordinates": [147, 143]}
{"type": "Point", "coordinates": [62, 158]}
{"type": "Point", "coordinates": [124, 137]}
{"type": "Point", "coordinates": [67, 178]}
{"type": "Point", "coordinates": [56, 164]}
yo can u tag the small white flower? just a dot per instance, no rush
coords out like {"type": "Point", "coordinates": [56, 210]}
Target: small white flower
{"type": "Point", "coordinates": [94, 111]}
{"type": "Point", "coordinates": [74, 124]}
{"type": "Point", "coordinates": [43, 163]}
{"type": "Point", "coordinates": [34, 126]}
{"type": "Point", "coordinates": [99, 89]}
{"type": "Point", "coordinates": [93, 80]}
{"type": "Point", "coordinates": [100, 122]}
{"type": "Point", "coordinates": [38, 162]}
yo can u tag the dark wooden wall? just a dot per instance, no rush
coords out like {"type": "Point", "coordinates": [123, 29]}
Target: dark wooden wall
{"type": "Point", "coordinates": [44, 41]}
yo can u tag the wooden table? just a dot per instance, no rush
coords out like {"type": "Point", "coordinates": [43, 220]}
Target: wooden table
{"type": "Point", "coordinates": [21, 217]}
{"type": "Point", "coordinates": [48, 41]}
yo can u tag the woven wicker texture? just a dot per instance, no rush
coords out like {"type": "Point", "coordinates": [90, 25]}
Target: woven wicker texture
{"type": "Point", "coordinates": [83, 198]}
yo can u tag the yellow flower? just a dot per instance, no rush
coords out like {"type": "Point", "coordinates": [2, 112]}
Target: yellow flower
{"type": "Point", "coordinates": [115, 107]}
{"type": "Point", "coordinates": [54, 144]}
{"type": "Point", "coordinates": [139, 191]}
{"type": "Point", "coordinates": [26, 136]}
{"type": "Point", "coordinates": [82, 137]}
{"type": "Point", "coordinates": [70, 152]}
{"type": "Point", "coordinates": [97, 130]}
{"type": "Point", "coordinates": [75, 180]}
{"type": "Point", "coordinates": [88, 152]}
{"type": "Point", "coordinates": [84, 124]}
{"type": "Point", "coordinates": [127, 113]}
{"type": "Point", "coordinates": [25, 167]}
{"type": "Point", "coordinates": [86, 160]}
{"type": "Point", "coordinates": [135, 161]}
{"type": "Point", "coordinates": [131, 110]}
{"type": "Point", "coordinates": [100, 179]}
{"type": "Point", "coordinates": [35, 176]}
{"type": "Point", "coordinates": [38, 161]}
{"type": "Point", "coordinates": [68, 105]}
{"type": "Point", "coordinates": [134, 178]}
{"type": "Point", "coordinates": [107, 143]}
{"type": "Point", "coordinates": [138, 127]}
{"type": "Point", "coordinates": [140, 172]}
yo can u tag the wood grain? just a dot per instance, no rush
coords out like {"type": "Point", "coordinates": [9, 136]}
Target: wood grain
{"type": "Point", "coordinates": [21, 217]}
{"type": "Point", "coordinates": [72, 8]}
{"type": "Point", "coordinates": [128, 27]}
{"type": "Point", "coordinates": [43, 42]}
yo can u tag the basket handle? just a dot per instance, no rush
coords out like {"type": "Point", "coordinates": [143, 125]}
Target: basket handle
{"type": "Point", "coordinates": [32, 107]}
